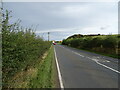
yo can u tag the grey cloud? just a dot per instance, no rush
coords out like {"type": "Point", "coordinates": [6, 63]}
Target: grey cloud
{"type": "Point", "coordinates": [69, 18]}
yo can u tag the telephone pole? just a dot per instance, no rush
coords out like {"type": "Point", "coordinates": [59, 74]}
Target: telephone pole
{"type": "Point", "coordinates": [48, 36]}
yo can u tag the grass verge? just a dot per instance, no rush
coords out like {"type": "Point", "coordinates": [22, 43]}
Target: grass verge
{"type": "Point", "coordinates": [42, 74]}
{"type": "Point", "coordinates": [46, 74]}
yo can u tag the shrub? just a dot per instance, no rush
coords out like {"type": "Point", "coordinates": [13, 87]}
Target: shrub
{"type": "Point", "coordinates": [74, 42]}
{"type": "Point", "coordinates": [21, 48]}
{"type": "Point", "coordinates": [87, 42]}
{"type": "Point", "coordinates": [110, 42]}
{"type": "Point", "coordinates": [96, 42]}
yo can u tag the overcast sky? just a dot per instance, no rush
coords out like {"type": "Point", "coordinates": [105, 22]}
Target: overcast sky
{"type": "Point", "coordinates": [63, 19]}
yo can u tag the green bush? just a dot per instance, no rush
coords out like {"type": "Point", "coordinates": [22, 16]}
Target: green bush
{"type": "Point", "coordinates": [64, 42]}
{"type": "Point", "coordinates": [87, 42]}
{"type": "Point", "coordinates": [74, 42]}
{"type": "Point", "coordinates": [21, 48]}
{"type": "Point", "coordinates": [96, 42]}
{"type": "Point", "coordinates": [108, 44]}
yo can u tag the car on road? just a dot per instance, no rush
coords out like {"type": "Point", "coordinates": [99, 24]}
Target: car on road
{"type": "Point", "coordinates": [54, 43]}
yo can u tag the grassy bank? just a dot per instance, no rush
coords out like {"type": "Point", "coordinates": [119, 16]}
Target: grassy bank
{"type": "Point", "coordinates": [46, 74]}
{"type": "Point", "coordinates": [42, 74]}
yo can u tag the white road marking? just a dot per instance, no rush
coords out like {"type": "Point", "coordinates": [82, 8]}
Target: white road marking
{"type": "Point", "coordinates": [96, 60]}
{"type": "Point", "coordinates": [107, 67]}
{"type": "Point", "coordinates": [107, 61]}
{"type": "Point", "coordinates": [78, 54]}
{"type": "Point", "coordinates": [59, 73]}
{"type": "Point", "coordinates": [88, 57]}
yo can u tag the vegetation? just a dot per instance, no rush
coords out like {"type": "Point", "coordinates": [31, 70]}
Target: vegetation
{"type": "Point", "coordinates": [21, 48]}
{"type": "Point", "coordinates": [46, 75]}
{"type": "Point", "coordinates": [42, 74]}
{"type": "Point", "coordinates": [105, 44]}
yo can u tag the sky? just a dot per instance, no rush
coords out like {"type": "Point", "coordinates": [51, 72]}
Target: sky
{"type": "Point", "coordinates": [63, 19]}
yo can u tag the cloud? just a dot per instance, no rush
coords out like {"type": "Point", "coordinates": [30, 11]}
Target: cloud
{"type": "Point", "coordinates": [59, 30]}
{"type": "Point", "coordinates": [64, 19]}
{"type": "Point", "coordinates": [73, 11]}
{"type": "Point", "coordinates": [105, 27]}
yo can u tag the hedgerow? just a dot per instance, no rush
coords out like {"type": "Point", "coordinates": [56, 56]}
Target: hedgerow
{"type": "Point", "coordinates": [108, 44]}
{"type": "Point", "coordinates": [21, 48]}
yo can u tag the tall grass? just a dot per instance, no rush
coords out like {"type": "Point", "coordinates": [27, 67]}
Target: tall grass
{"type": "Point", "coordinates": [106, 44]}
{"type": "Point", "coordinates": [20, 48]}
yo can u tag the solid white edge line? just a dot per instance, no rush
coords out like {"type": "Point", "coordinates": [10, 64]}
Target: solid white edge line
{"type": "Point", "coordinates": [59, 73]}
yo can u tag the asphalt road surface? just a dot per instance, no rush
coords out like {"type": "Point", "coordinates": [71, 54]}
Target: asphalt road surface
{"type": "Point", "coordinates": [82, 69]}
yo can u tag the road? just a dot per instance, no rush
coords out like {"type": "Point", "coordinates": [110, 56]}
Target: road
{"type": "Point", "coordinates": [82, 69]}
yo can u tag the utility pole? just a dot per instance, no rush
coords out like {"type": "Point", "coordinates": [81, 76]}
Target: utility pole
{"type": "Point", "coordinates": [48, 36]}
{"type": "Point", "coordinates": [1, 19]}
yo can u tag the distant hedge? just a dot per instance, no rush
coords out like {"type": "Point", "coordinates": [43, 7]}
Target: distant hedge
{"type": "Point", "coordinates": [108, 44]}
{"type": "Point", "coordinates": [21, 48]}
